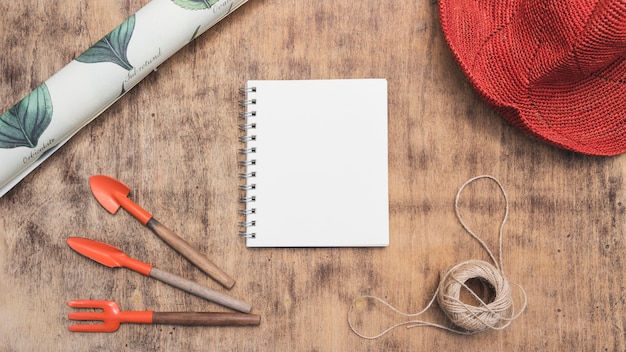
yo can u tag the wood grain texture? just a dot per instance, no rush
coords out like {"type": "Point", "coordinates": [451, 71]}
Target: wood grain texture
{"type": "Point", "coordinates": [206, 319]}
{"type": "Point", "coordinates": [172, 139]}
{"type": "Point", "coordinates": [200, 290]}
{"type": "Point", "coordinates": [190, 253]}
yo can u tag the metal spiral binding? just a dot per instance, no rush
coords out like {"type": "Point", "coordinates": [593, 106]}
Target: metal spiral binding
{"type": "Point", "coordinates": [247, 90]}
{"type": "Point", "coordinates": [246, 164]}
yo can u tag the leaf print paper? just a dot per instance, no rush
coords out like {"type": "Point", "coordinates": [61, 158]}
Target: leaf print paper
{"type": "Point", "coordinates": [195, 4]}
{"type": "Point", "coordinates": [113, 47]}
{"type": "Point", "coordinates": [26, 121]}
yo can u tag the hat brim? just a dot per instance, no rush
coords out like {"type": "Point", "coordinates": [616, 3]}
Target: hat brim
{"type": "Point", "coordinates": [524, 70]}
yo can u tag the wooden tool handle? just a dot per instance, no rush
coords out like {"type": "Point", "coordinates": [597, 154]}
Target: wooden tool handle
{"type": "Point", "coordinates": [199, 290]}
{"type": "Point", "coordinates": [206, 319]}
{"type": "Point", "coordinates": [189, 252]}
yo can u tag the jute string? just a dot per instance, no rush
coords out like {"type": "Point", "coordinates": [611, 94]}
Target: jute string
{"type": "Point", "coordinates": [495, 314]}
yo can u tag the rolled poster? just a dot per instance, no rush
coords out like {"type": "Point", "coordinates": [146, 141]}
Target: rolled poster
{"type": "Point", "coordinates": [50, 115]}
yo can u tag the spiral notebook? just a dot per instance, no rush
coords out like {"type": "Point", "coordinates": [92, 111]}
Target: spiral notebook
{"type": "Point", "coordinates": [314, 163]}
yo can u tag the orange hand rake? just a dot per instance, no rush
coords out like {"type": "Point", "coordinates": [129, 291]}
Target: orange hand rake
{"type": "Point", "coordinates": [111, 317]}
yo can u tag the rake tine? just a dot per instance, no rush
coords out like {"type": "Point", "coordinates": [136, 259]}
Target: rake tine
{"type": "Point", "coordinates": [106, 327]}
{"type": "Point", "coordinates": [85, 316]}
{"type": "Point", "coordinates": [94, 304]}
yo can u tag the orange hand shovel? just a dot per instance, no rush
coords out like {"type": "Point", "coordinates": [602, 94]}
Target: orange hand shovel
{"type": "Point", "coordinates": [113, 257]}
{"type": "Point", "coordinates": [112, 194]}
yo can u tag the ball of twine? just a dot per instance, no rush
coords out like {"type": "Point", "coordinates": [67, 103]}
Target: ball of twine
{"type": "Point", "coordinates": [494, 313]}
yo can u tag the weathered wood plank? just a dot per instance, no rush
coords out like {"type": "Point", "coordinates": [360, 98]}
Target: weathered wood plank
{"type": "Point", "coordinates": [173, 140]}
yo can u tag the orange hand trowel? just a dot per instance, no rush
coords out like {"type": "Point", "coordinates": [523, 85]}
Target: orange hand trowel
{"type": "Point", "coordinates": [113, 194]}
{"type": "Point", "coordinates": [113, 257]}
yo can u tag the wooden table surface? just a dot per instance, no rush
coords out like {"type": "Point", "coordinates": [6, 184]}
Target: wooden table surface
{"type": "Point", "coordinates": [173, 140]}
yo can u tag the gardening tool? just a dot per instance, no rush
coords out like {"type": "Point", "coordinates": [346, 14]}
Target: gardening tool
{"type": "Point", "coordinates": [113, 257]}
{"type": "Point", "coordinates": [113, 194]}
{"type": "Point", "coordinates": [111, 317]}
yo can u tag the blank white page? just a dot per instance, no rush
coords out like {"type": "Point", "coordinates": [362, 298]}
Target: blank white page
{"type": "Point", "coordinates": [320, 163]}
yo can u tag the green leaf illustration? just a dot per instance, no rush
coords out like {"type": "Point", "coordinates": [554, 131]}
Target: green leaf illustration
{"type": "Point", "coordinates": [195, 4]}
{"type": "Point", "coordinates": [113, 47]}
{"type": "Point", "coordinates": [26, 121]}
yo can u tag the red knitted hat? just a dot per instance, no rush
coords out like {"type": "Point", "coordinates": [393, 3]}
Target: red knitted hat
{"type": "Point", "coordinates": [555, 69]}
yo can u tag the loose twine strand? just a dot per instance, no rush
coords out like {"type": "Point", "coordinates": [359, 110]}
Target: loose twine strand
{"type": "Point", "coordinates": [466, 319]}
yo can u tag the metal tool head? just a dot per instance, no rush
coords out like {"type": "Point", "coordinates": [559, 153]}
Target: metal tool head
{"type": "Point", "coordinates": [107, 316]}
{"type": "Point", "coordinates": [110, 316]}
{"type": "Point", "coordinates": [108, 255]}
{"type": "Point", "coordinates": [108, 191]}
{"type": "Point", "coordinates": [102, 253]}
{"type": "Point", "coordinates": [113, 194]}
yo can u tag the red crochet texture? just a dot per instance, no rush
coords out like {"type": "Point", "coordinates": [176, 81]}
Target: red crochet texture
{"type": "Point", "coordinates": [555, 69]}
